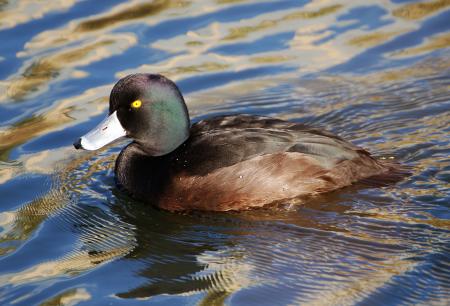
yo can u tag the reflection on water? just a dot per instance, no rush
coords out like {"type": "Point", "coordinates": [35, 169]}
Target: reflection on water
{"type": "Point", "coordinates": [13, 13]}
{"type": "Point", "coordinates": [421, 9]}
{"type": "Point", "coordinates": [375, 72]}
{"type": "Point", "coordinates": [45, 69]}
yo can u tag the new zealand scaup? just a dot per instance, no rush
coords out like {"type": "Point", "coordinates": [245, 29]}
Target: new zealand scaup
{"type": "Point", "coordinates": [223, 163]}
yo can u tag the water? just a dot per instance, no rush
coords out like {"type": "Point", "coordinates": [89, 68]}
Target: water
{"type": "Point", "coordinates": [375, 72]}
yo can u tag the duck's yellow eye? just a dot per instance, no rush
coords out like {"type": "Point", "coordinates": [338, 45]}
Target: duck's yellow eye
{"type": "Point", "coordinates": [136, 104]}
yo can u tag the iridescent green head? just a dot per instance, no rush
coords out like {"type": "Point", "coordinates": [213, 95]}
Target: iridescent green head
{"type": "Point", "coordinates": [146, 107]}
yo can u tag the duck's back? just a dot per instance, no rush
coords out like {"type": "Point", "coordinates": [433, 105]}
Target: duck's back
{"type": "Point", "coordinates": [240, 162]}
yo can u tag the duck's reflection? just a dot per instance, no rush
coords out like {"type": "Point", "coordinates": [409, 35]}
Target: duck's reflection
{"type": "Point", "coordinates": [169, 246]}
{"type": "Point", "coordinates": [212, 255]}
{"type": "Point", "coordinates": [331, 247]}
{"type": "Point", "coordinates": [300, 250]}
{"type": "Point", "coordinates": [221, 253]}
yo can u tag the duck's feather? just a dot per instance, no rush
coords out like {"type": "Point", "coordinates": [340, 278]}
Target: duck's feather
{"type": "Point", "coordinates": [225, 141]}
{"type": "Point", "coordinates": [238, 162]}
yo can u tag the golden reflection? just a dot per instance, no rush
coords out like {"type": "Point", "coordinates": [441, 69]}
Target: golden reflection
{"type": "Point", "coordinates": [234, 270]}
{"type": "Point", "coordinates": [428, 131]}
{"type": "Point", "coordinates": [398, 217]}
{"type": "Point", "coordinates": [372, 39]}
{"type": "Point", "coordinates": [227, 270]}
{"type": "Point", "coordinates": [214, 298]}
{"type": "Point", "coordinates": [79, 74]}
{"type": "Point", "coordinates": [432, 44]}
{"type": "Point", "coordinates": [420, 69]}
{"type": "Point", "coordinates": [356, 288]}
{"type": "Point", "coordinates": [242, 32]}
{"type": "Point", "coordinates": [194, 69]}
{"type": "Point", "coordinates": [125, 13]}
{"type": "Point", "coordinates": [137, 11]}
{"type": "Point", "coordinates": [314, 14]}
{"type": "Point", "coordinates": [72, 264]}
{"type": "Point", "coordinates": [23, 130]}
{"type": "Point", "coordinates": [176, 68]}
{"type": "Point", "coordinates": [40, 162]}
{"type": "Point", "coordinates": [320, 56]}
{"type": "Point", "coordinates": [41, 71]}
{"type": "Point", "coordinates": [68, 297]}
{"type": "Point", "coordinates": [413, 11]}
{"type": "Point", "coordinates": [13, 13]}
{"type": "Point", "coordinates": [194, 43]}
{"type": "Point", "coordinates": [230, 1]}
{"type": "Point", "coordinates": [96, 244]}
{"type": "Point", "coordinates": [212, 37]}
{"type": "Point", "coordinates": [19, 225]}
{"type": "Point", "coordinates": [271, 59]}
{"type": "Point", "coordinates": [200, 101]}
{"type": "Point", "coordinates": [367, 278]}
{"type": "Point", "coordinates": [311, 25]}
{"type": "Point", "coordinates": [73, 110]}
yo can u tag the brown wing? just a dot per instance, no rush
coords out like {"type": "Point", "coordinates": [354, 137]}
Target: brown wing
{"type": "Point", "coordinates": [263, 180]}
{"type": "Point", "coordinates": [224, 141]}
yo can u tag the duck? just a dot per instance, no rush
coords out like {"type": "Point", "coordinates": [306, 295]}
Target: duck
{"type": "Point", "coordinates": [224, 163]}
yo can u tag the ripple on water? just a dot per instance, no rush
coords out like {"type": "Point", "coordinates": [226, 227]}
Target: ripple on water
{"type": "Point", "coordinates": [356, 245]}
{"type": "Point", "coordinates": [375, 74]}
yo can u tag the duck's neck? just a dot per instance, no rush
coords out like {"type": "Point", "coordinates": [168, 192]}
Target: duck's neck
{"type": "Point", "coordinates": [138, 173]}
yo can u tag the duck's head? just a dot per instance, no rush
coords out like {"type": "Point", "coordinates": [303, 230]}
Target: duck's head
{"type": "Point", "coordinates": [148, 108]}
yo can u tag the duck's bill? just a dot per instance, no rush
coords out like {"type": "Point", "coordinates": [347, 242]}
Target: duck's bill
{"type": "Point", "coordinates": [106, 132]}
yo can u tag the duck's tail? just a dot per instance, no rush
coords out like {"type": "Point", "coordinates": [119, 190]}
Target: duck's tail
{"type": "Point", "coordinates": [393, 173]}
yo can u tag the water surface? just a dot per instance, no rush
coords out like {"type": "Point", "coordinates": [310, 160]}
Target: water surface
{"type": "Point", "coordinates": [375, 72]}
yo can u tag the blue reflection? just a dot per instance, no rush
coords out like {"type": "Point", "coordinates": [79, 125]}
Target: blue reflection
{"type": "Point", "coordinates": [200, 82]}
{"type": "Point", "coordinates": [265, 44]}
{"type": "Point", "coordinates": [19, 35]}
{"type": "Point", "coordinates": [179, 26]}
{"type": "Point", "coordinates": [376, 58]}
{"type": "Point", "coordinates": [365, 18]}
